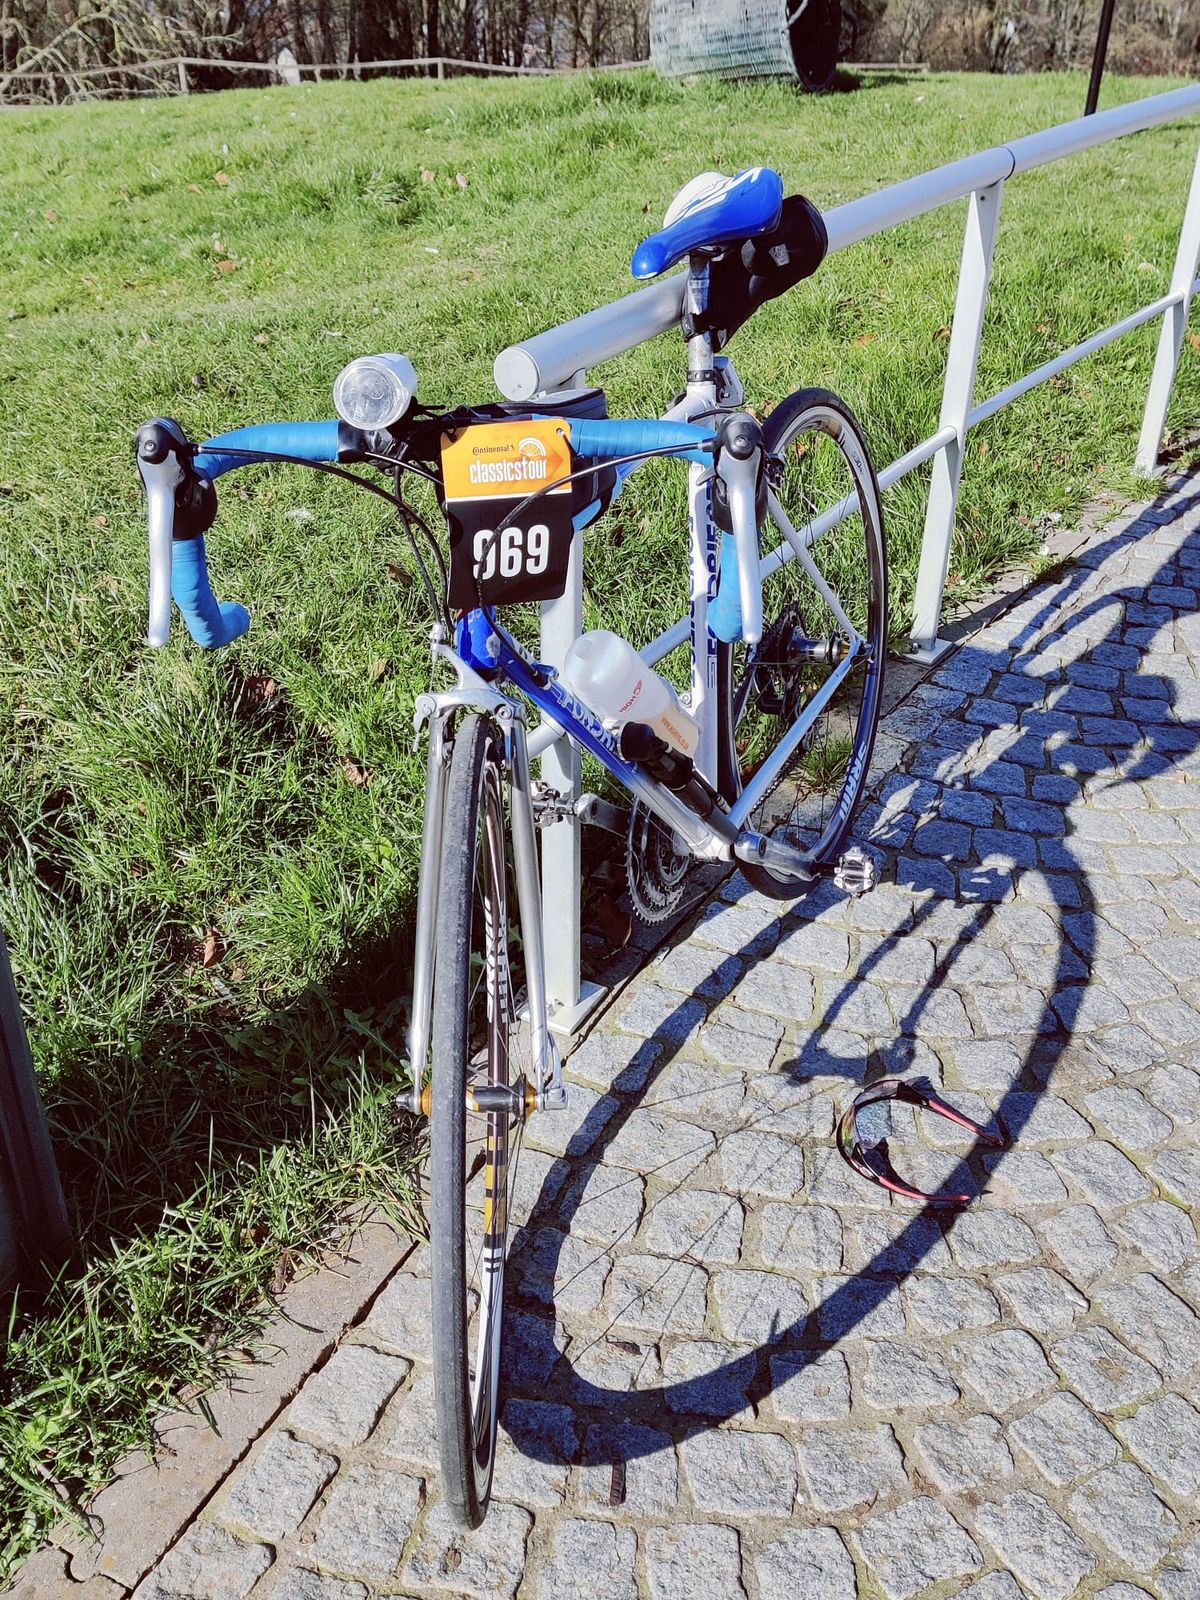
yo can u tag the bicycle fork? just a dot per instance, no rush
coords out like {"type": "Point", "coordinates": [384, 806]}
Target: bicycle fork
{"type": "Point", "coordinates": [437, 711]}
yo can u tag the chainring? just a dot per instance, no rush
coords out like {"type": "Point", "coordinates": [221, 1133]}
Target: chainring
{"type": "Point", "coordinates": [654, 870]}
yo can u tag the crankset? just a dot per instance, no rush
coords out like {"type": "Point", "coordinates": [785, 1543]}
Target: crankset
{"type": "Point", "coordinates": [655, 870]}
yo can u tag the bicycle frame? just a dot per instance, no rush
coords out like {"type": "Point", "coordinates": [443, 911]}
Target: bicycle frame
{"type": "Point", "coordinates": [487, 658]}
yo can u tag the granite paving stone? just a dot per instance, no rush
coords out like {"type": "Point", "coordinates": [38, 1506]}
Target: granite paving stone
{"type": "Point", "coordinates": [1102, 1370]}
{"type": "Point", "coordinates": [343, 1402]}
{"type": "Point", "coordinates": [964, 1455]}
{"type": "Point", "coordinates": [1063, 1439]}
{"type": "Point", "coordinates": [271, 1496]}
{"type": "Point", "coordinates": [647, 1475]}
{"type": "Point", "coordinates": [810, 1386]}
{"type": "Point", "coordinates": [1164, 1435]}
{"type": "Point", "coordinates": [844, 1468]}
{"type": "Point", "coordinates": [490, 1561]}
{"type": "Point", "coordinates": [917, 1544]}
{"type": "Point", "coordinates": [805, 1564]}
{"type": "Point", "coordinates": [1036, 1544]}
{"type": "Point", "coordinates": [1155, 1322]}
{"type": "Point", "coordinates": [366, 1522]}
{"type": "Point", "coordinates": [737, 1473]}
{"type": "Point", "coordinates": [1164, 1233]}
{"type": "Point", "coordinates": [758, 1307]}
{"type": "Point", "coordinates": [1005, 1368]}
{"type": "Point", "coordinates": [681, 1561]}
{"type": "Point", "coordinates": [208, 1563]}
{"type": "Point", "coordinates": [1120, 1508]}
{"type": "Point", "coordinates": [588, 1558]}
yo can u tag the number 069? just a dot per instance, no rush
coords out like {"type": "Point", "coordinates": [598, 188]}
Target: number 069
{"type": "Point", "coordinates": [516, 552]}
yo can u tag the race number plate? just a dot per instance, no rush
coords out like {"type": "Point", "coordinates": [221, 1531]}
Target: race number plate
{"type": "Point", "coordinates": [488, 470]}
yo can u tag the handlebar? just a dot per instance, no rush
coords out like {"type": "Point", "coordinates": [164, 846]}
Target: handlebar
{"type": "Point", "coordinates": [181, 505]}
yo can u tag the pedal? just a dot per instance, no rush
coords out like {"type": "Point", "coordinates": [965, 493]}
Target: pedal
{"type": "Point", "coordinates": [856, 871]}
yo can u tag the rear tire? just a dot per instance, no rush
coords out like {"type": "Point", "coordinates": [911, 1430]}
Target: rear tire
{"type": "Point", "coordinates": [469, 1158]}
{"type": "Point", "coordinates": [822, 459]}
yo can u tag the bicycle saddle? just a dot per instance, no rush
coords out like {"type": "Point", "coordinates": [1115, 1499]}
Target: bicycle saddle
{"type": "Point", "coordinates": [711, 210]}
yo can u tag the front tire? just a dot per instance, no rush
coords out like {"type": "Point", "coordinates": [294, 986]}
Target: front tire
{"type": "Point", "coordinates": [471, 1159]}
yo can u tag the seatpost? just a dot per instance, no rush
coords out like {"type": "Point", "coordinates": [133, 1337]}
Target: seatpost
{"type": "Point", "coordinates": [695, 306]}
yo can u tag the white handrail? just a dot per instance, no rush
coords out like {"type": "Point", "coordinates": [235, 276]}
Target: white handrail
{"type": "Point", "coordinates": [550, 360]}
{"type": "Point", "coordinates": [561, 356]}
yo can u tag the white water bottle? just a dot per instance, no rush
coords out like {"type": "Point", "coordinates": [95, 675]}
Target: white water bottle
{"type": "Point", "coordinates": [609, 676]}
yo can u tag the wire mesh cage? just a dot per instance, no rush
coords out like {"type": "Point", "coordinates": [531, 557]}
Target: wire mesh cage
{"type": "Point", "coordinates": [795, 39]}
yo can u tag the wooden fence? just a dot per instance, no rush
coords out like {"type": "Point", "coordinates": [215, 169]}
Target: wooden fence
{"type": "Point", "coordinates": [174, 75]}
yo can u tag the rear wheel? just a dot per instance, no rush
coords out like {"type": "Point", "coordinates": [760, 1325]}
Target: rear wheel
{"type": "Point", "coordinates": [472, 1158]}
{"type": "Point", "coordinates": [819, 664]}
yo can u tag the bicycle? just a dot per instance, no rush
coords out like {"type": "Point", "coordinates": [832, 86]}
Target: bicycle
{"type": "Point", "coordinates": [784, 698]}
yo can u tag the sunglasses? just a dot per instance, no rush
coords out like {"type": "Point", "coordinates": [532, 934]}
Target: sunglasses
{"type": "Point", "coordinates": [870, 1159]}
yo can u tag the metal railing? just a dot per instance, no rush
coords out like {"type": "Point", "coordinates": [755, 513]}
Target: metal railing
{"type": "Point", "coordinates": [561, 357]}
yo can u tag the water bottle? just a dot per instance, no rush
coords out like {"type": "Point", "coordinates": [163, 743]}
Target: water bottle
{"type": "Point", "coordinates": [609, 676]}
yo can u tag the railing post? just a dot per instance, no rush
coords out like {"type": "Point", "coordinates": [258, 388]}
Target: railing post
{"type": "Point", "coordinates": [568, 1002]}
{"type": "Point", "coordinates": [1170, 338]}
{"type": "Point", "coordinates": [962, 360]}
{"type": "Point", "coordinates": [183, 77]}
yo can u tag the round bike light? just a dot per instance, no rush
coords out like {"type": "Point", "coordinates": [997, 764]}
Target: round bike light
{"type": "Point", "coordinates": [374, 391]}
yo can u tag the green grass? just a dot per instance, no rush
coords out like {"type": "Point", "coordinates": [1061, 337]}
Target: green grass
{"type": "Point", "coordinates": [219, 259]}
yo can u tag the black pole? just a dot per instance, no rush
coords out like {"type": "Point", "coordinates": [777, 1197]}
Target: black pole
{"type": "Point", "coordinates": [1093, 94]}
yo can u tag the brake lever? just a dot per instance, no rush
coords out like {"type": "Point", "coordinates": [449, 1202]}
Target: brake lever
{"type": "Point", "coordinates": [161, 447]}
{"type": "Point", "coordinates": [739, 464]}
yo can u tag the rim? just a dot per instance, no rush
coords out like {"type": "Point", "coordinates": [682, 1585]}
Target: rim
{"type": "Point", "coordinates": [826, 617]}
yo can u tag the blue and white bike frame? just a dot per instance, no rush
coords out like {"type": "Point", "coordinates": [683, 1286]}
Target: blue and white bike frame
{"type": "Point", "coordinates": [493, 675]}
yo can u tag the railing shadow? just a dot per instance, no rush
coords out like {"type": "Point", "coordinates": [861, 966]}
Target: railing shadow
{"type": "Point", "coordinates": [1104, 635]}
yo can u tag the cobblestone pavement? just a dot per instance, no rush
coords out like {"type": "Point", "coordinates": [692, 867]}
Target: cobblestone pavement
{"type": "Point", "coordinates": [737, 1370]}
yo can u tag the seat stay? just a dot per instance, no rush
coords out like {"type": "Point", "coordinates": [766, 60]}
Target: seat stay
{"type": "Point", "coordinates": [711, 211]}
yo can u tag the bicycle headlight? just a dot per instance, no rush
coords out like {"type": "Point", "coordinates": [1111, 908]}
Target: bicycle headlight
{"type": "Point", "coordinates": [375, 391]}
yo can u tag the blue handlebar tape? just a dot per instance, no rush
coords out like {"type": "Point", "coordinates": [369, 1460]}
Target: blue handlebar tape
{"type": "Point", "coordinates": [210, 622]}
{"type": "Point", "coordinates": [311, 441]}
{"type": "Point", "coordinates": [604, 438]}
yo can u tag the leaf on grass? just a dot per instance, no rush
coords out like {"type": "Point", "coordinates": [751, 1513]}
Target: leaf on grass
{"type": "Point", "coordinates": [396, 574]}
{"type": "Point", "coordinates": [221, 177]}
{"type": "Point", "coordinates": [379, 668]}
{"type": "Point", "coordinates": [354, 772]}
{"type": "Point", "coordinates": [284, 1269]}
{"type": "Point", "coordinates": [261, 687]}
{"type": "Point", "coordinates": [193, 188]}
{"type": "Point", "coordinates": [227, 266]}
{"type": "Point", "coordinates": [1193, 339]}
{"type": "Point", "coordinates": [427, 176]}
{"type": "Point", "coordinates": [866, 338]}
{"type": "Point", "coordinates": [943, 332]}
{"type": "Point", "coordinates": [211, 949]}
{"type": "Point", "coordinates": [100, 522]}
{"type": "Point", "coordinates": [982, 448]}
{"type": "Point", "coordinates": [262, 338]}
{"type": "Point", "coordinates": [50, 214]}
{"type": "Point", "coordinates": [461, 179]}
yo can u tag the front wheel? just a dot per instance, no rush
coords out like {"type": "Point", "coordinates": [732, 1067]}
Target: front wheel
{"type": "Point", "coordinates": [472, 1157]}
{"type": "Point", "coordinates": [801, 707]}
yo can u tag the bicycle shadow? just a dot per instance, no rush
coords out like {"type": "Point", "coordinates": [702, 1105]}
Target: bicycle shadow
{"type": "Point", "coordinates": [1049, 1021]}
